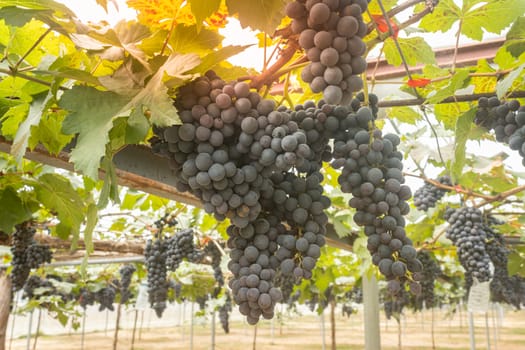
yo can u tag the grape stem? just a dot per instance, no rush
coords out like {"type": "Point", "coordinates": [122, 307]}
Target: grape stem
{"type": "Point", "coordinates": [267, 77]}
{"type": "Point", "coordinates": [458, 189]}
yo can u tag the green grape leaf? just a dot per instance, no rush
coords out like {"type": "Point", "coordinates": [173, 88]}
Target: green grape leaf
{"type": "Point", "coordinates": [492, 16]}
{"type": "Point", "coordinates": [403, 114]}
{"type": "Point", "coordinates": [48, 133]}
{"type": "Point", "coordinates": [57, 194]}
{"type": "Point", "coordinates": [459, 80]}
{"type": "Point", "coordinates": [154, 97]}
{"type": "Point", "coordinates": [137, 127]}
{"type": "Point", "coordinates": [484, 83]}
{"type": "Point", "coordinates": [214, 58]}
{"type": "Point", "coordinates": [110, 187]}
{"type": "Point", "coordinates": [17, 17]}
{"type": "Point", "coordinates": [36, 109]}
{"type": "Point", "coordinates": [185, 39]}
{"type": "Point", "coordinates": [126, 35]}
{"type": "Point", "coordinates": [516, 262]}
{"type": "Point", "coordinates": [445, 14]}
{"type": "Point", "coordinates": [12, 119]}
{"type": "Point", "coordinates": [203, 9]}
{"type": "Point", "coordinates": [463, 126]}
{"type": "Point", "coordinates": [264, 15]}
{"type": "Point", "coordinates": [475, 16]}
{"type": "Point", "coordinates": [503, 86]}
{"type": "Point", "coordinates": [515, 43]}
{"type": "Point", "coordinates": [16, 212]}
{"type": "Point", "coordinates": [448, 113]}
{"type": "Point", "coordinates": [91, 222]}
{"type": "Point", "coordinates": [70, 73]}
{"type": "Point", "coordinates": [58, 8]}
{"type": "Point", "coordinates": [415, 50]}
{"type": "Point", "coordinates": [91, 124]}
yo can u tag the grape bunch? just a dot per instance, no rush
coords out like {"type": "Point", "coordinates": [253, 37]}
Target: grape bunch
{"type": "Point", "coordinates": [503, 288]}
{"type": "Point", "coordinates": [224, 314]}
{"type": "Point", "coordinates": [27, 254]}
{"type": "Point", "coordinates": [180, 246]}
{"type": "Point", "coordinates": [431, 271]}
{"type": "Point", "coordinates": [155, 258]}
{"type": "Point", "coordinates": [38, 254]}
{"type": "Point", "coordinates": [506, 118]}
{"type": "Point", "coordinates": [215, 254]}
{"type": "Point", "coordinates": [394, 304]}
{"type": "Point", "coordinates": [348, 310]}
{"type": "Point", "coordinates": [499, 116]}
{"type": "Point", "coordinates": [428, 195]}
{"type": "Point", "coordinates": [35, 282]}
{"type": "Point", "coordinates": [468, 233]}
{"type": "Point", "coordinates": [126, 273]}
{"type": "Point", "coordinates": [372, 173]}
{"type": "Point", "coordinates": [260, 167]}
{"type": "Point", "coordinates": [106, 297]}
{"type": "Point", "coordinates": [331, 32]}
{"type": "Point", "coordinates": [86, 297]}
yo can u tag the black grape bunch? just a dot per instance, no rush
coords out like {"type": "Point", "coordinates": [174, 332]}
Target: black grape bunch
{"type": "Point", "coordinates": [504, 288]}
{"type": "Point", "coordinates": [126, 273]}
{"type": "Point", "coordinates": [224, 314]}
{"type": "Point", "coordinates": [506, 118]}
{"type": "Point", "coordinates": [86, 297]}
{"type": "Point", "coordinates": [27, 254]}
{"type": "Point", "coordinates": [372, 173]}
{"type": "Point", "coordinates": [181, 246]}
{"type": "Point", "coordinates": [105, 297]}
{"type": "Point", "coordinates": [468, 233]}
{"type": "Point", "coordinates": [215, 254]}
{"type": "Point", "coordinates": [331, 32]}
{"type": "Point", "coordinates": [428, 195]}
{"type": "Point", "coordinates": [431, 271]}
{"type": "Point", "coordinates": [259, 166]}
{"type": "Point", "coordinates": [155, 259]}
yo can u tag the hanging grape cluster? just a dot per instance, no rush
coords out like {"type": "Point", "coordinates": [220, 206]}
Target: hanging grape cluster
{"type": "Point", "coordinates": [260, 167]}
{"type": "Point", "coordinates": [215, 254]}
{"type": "Point", "coordinates": [468, 233]}
{"type": "Point", "coordinates": [224, 314]}
{"type": "Point", "coordinates": [503, 287]}
{"type": "Point", "coordinates": [27, 254]}
{"type": "Point", "coordinates": [106, 297]}
{"type": "Point", "coordinates": [506, 118]}
{"type": "Point", "coordinates": [181, 246]}
{"type": "Point", "coordinates": [126, 273]}
{"type": "Point", "coordinates": [428, 195]}
{"type": "Point", "coordinates": [155, 259]}
{"type": "Point", "coordinates": [331, 33]}
{"type": "Point", "coordinates": [86, 297]}
{"type": "Point", "coordinates": [431, 271]}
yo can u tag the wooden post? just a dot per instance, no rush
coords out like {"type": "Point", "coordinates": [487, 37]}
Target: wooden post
{"type": "Point", "coordinates": [134, 329]}
{"type": "Point", "coordinates": [371, 313]}
{"type": "Point", "coordinates": [5, 302]}
{"type": "Point", "coordinates": [323, 337]}
{"type": "Point", "coordinates": [471, 330]}
{"type": "Point", "coordinates": [332, 323]}
{"type": "Point", "coordinates": [37, 327]}
{"type": "Point", "coordinates": [213, 330]}
{"type": "Point", "coordinates": [254, 345]}
{"type": "Point", "coordinates": [117, 326]}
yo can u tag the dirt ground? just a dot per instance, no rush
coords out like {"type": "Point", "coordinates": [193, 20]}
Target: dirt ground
{"type": "Point", "coordinates": [304, 332]}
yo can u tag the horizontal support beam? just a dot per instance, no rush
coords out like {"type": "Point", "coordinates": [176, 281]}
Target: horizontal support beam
{"type": "Point", "coordinates": [140, 169]}
{"type": "Point", "coordinates": [467, 55]}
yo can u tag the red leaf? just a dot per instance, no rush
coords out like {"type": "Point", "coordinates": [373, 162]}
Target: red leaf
{"type": "Point", "coordinates": [418, 82]}
{"type": "Point", "coordinates": [382, 25]}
